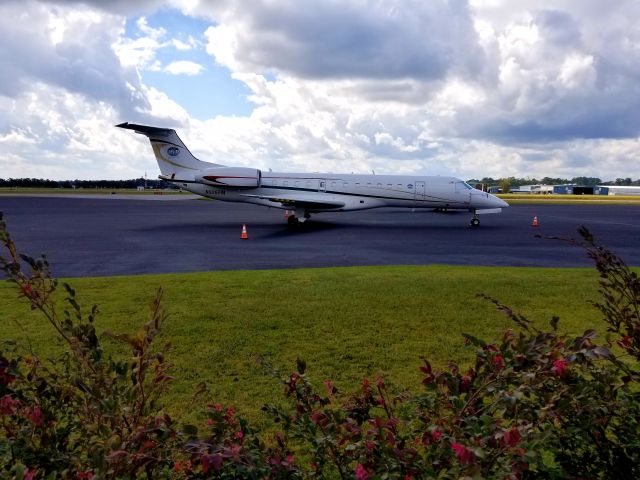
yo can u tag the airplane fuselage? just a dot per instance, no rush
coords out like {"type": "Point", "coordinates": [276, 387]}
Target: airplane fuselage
{"type": "Point", "coordinates": [357, 192]}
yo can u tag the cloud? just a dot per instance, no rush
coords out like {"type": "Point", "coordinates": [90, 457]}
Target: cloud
{"type": "Point", "coordinates": [332, 39]}
{"type": "Point", "coordinates": [184, 67]}
{"type": "Point", "coordinates": [67, 49]}
{"type": "Point", "coordinates": [538, 74]}
{"type": "Point", "coordinates": [184, 46]}
{"type": "Point", "coordinates": [64, 89]}
{"type": "Point", "coordinates": [485, 87]}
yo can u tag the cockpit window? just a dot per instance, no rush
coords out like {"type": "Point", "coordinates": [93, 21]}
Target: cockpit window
{"type": "Point", "coordinates": [463, 186]}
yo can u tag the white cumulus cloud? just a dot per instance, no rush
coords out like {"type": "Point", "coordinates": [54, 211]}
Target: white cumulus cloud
{"type": "Point", "coordinates": [184, 67]}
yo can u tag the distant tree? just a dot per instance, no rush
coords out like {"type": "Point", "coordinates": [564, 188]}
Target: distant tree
{"type": "Point", "coordinates": [489, 181]}
{"type": "Point", "coordinates": [623, 181]}
{"type": "Point", "coordinates": [554, 181]}
{"type": "Point", "coordinates": [586, 180]}
{"type": "Point", "coordinates": [505, 185]}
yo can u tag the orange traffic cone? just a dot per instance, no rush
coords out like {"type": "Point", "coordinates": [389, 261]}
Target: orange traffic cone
{"type": "Point", "coordinates": [244, 235]}
{"type": "Point", "coordinates": [535, 222]}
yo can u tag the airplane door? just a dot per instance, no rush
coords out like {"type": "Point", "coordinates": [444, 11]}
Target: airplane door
{"type": "Point", "coordinates": [322, 185]}
{"type": "Point", "coordinates": [419, 192]}
{"type": "Point", "coordinates": [463, 191]}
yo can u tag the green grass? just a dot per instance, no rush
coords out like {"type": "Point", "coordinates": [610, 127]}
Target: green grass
{"type": "Point", "coordinates": [345, 322]}
{"type": "Point", "coordinates": [84, 191]}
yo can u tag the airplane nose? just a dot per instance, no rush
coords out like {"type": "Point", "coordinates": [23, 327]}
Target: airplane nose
{"type": "Point", "coordinates": [486, 200]}
{"type": "Point", "coordinates": [499, 202]}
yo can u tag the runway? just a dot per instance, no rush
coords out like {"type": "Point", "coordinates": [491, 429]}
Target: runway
{"type": "Point", "coordinates": [123, 236]}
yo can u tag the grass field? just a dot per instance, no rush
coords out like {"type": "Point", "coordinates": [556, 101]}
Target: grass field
{"type": "Point", "coordinates": [519, 198]}
{"type": "Point", "coordinates": [345, 322]}
{"type": "Point", "coordinates": [511, 198]}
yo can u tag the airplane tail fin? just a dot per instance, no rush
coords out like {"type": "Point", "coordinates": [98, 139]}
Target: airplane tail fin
{"type": "Point", "coordinates": [174, 158]}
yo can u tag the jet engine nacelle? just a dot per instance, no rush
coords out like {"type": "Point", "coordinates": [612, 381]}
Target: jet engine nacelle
{"type": "Point", "coordinates": [231, 177]}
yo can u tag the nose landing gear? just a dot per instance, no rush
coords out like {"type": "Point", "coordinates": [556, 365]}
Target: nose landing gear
{"type": "Point", "coordinates": [475, 221]}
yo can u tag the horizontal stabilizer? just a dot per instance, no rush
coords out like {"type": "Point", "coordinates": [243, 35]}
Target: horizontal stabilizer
{"type": "Point", "coordinates": [145, 129]}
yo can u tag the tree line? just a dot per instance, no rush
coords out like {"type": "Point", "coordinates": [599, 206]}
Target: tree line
{"type": "Point", "coordinates": [518, 182]}
{"type": "Point", "coordinates": [45, 183]}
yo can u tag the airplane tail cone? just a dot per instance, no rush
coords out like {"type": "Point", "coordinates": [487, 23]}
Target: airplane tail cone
{"type": "Point", "coordinates": [535, 222]}
{"type": "Point", "coordinates": [244, 235]}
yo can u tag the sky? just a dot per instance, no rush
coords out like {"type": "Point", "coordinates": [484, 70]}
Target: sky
{"type": "Point", "coordinates": [471, 88]}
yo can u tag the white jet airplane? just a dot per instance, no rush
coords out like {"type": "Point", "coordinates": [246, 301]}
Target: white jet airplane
{"type": "Point", "coordinates": [307, 193]}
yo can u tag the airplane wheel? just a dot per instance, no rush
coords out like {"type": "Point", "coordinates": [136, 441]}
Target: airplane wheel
{"type": "Point", "coordinates": [474, 222]}
{"type": "Point", "coordinates": [292, 221]}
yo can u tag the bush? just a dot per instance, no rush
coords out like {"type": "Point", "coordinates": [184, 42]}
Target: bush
{"type": "Point", "coordinates": [534, 404]}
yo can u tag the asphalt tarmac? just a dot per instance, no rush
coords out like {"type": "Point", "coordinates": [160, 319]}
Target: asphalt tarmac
{"type": "Point", "coordinates": [124, 236]}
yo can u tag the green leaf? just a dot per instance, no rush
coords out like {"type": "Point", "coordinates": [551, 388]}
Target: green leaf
{"type": "Point", "coordinates": [301, 366]}
{"type": "Point", "coordinates": [190, 430]}
{"type": "Point", "coordinates": [478, 342]}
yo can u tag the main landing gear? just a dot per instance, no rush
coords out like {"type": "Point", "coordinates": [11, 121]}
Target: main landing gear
{"type": "Point", "coordinates": [299, 217]}
{"type": "Point", "coordinates": [293, 221]}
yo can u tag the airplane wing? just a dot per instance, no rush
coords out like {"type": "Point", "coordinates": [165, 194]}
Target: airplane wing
{"type": "Point", "coordinates": [312, 202]}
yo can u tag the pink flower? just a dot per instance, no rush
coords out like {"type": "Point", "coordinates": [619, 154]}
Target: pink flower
{"type": "Point", "coordinates": [465, 383]}
{"type": "Point", "coordinates": [229, 415]}
{"type": "Point", "coordinates": [239, 436]}
{"type": "Point", "coordinates": [559, 367]}
{"type": "Point", "coordinates": [234, 451]}
{"type": "Point", "coordinates": [625, 342]}
{"type": "Point", "coordinates": [361, 473]}
{"type": "Point", "coordinates": [465, 456]}
{"type": "Point", "coordinates": [6, 378]}
{"type": "Point", "coordinates": [30, 473]}
{"type": "Point", "coordinates": [8, 405]}
{"type": "Point", "coordinates": [435, 435]}
{"type": "Point", "coordinates": [366, 385]}
{"type": "Point", "coordinates": [498, 362]}
{"type": "Point", "coordinates": [88, 475]}
{"type": "Point", "coordinates": [512, 437]}
{"type": "Point", "coordinates": [209, 461]}
{"type": "Point", "coordinates": [27, 290]}
{"type": "Point", "coordinates": [181, 465]}
{"type": "Point", "coordinates": [34, 414]}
